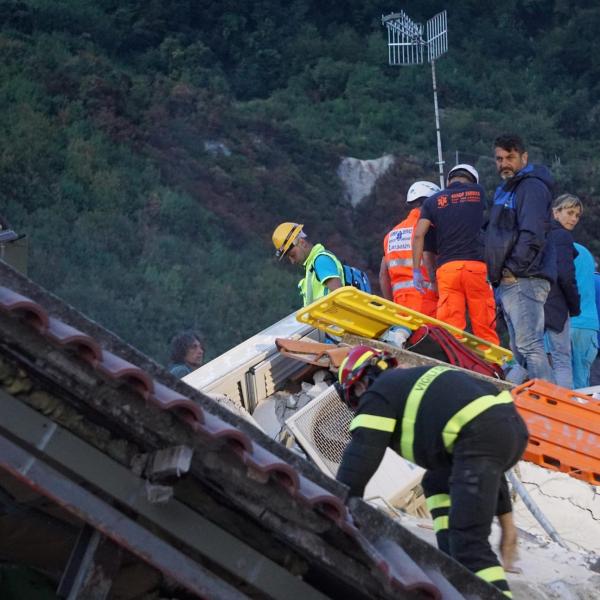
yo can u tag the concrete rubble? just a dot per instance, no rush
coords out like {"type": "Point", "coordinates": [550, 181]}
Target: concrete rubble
{"type": "Point", "coordinates": [548, 571]}
{"type": "Point", "coordinates": [272, 412]}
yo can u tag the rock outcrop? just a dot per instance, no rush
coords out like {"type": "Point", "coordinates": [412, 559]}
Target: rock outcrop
{"type": "Point", "coordinates": [360, 176]}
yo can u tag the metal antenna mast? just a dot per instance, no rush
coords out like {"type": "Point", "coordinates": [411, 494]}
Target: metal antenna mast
{"type": "Point", "coordinates": [406, 46]}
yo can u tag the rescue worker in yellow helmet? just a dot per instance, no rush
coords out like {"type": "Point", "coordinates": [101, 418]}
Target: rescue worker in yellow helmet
{"type": "Point", "coordinates": [323, 272]}
{"type": "Point", "coordinates": [454, 425]}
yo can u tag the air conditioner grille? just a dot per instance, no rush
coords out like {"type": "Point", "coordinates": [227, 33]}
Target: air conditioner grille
{"type": "Point", "coordinates": [322, 429]}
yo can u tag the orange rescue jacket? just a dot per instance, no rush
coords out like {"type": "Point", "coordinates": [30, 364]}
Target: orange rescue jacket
{"type": "Point", "coordinates": [397, 248]}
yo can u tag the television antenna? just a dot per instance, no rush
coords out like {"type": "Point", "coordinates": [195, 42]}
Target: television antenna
{"type": "Point", "coordinates": [407, 46]}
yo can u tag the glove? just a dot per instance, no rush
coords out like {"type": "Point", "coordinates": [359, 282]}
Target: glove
{"type": "Point", "coordinates": [419, 282]}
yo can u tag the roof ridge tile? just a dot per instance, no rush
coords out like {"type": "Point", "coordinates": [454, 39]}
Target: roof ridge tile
{"type": "Point", "coordinates": [63, 334]}
{"type": "Point", "coordinates": [34, 314]}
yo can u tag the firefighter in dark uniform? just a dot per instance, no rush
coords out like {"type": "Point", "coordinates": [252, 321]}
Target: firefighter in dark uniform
{"type": "Point", "coordinates": [459, 428]}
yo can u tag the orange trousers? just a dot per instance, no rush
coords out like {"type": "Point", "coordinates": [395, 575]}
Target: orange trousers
{"type": "Point", "coordinates": [462, 285]}
{"type": "Point", "coordinates": [426, 303]}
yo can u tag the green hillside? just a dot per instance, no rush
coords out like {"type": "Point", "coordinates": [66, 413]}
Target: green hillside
{"type": "Point", "coordinates": [149, 148]}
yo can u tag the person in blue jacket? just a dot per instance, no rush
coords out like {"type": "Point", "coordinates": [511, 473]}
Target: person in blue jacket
{"type": "Point", "coordinates": [595, 370]}
{"type": "Point", "coordinates": [584, 327]}
{"type": "Point", "coordinates": [563, 298]}
{"type": "Point", "coordinates": [521, 261]}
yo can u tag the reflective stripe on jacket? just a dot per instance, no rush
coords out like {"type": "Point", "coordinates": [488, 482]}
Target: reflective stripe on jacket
{"type": "Point", "coordinates": [431, 421]}
{"type": "Point", "coordinates": [311, 288]}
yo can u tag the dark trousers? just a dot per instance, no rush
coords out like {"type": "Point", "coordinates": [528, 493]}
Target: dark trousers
{"type": "Point", "coordinates": [473, 488]}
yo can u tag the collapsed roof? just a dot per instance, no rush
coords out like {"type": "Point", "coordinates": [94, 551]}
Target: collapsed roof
{"type": "Point", "coordinates": [103, 454]}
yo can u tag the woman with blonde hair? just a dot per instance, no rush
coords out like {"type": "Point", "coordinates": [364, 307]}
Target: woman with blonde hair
{"type": "Point", "coordinates": [563, 298]}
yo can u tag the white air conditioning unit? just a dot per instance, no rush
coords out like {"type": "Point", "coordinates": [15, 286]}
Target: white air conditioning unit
{"type": "Point", "coordinates": [321, 428]}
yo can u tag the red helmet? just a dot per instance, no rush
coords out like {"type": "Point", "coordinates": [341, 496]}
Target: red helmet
{"type": "Point", "coordinates": [354, 367]}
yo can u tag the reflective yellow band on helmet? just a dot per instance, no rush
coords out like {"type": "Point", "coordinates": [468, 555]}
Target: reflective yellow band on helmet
{"type": "Point", "coordinates": [492, 574]}
{"type": "Point", "coordinates": [367, 355]}
{"type": "Point", "coordinates": [362, 359]}
{"type": "Point", "coordinates": [373, 422]}
{"type": "Point", "coordinates": [438, 501]}
{"type": "Point", "coordinates": [341, 369]}
{"type": "Point", "coordinates": [440, 523]}
{"type": "Point", "coordinates": [468, 413]}
{"type": "Point", "coordinates": [412, 408]}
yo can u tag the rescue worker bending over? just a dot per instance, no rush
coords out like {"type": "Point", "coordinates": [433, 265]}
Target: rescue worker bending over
{"type": "Point", "coordinates": [396, 273]}
{"type": "Point", "coordinates": [458, 428]}
{"type": "Point", "coordinates": [456, 214]}
{"type": "Point", "coordinates": [323, 271]}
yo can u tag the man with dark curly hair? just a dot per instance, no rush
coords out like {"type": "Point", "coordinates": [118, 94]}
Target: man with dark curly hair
{"type": "Point", "coordinates": [187, 353]}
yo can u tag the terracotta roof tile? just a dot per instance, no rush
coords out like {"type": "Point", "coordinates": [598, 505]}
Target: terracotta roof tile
{"type": "Point", "coordinates": [64, 335]}
{"type": "Point", "coordinates": [217, 429]}
{"type": "Point", "coordinates": [117, 368]}
{"type": "Point", "coordinates": [266, 463]}
{"type": "Point", "coordinates": [32, 312]}
{"type": "Point", "coordinates": [400, 568]}
{"type": "Point", "coordinates": [168, 399]}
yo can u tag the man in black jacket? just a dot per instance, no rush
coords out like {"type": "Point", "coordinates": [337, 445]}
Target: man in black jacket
{"type": "Point", "coordinates": [521, 263]}
{"type": "Point", "coordinates": [458, 428]}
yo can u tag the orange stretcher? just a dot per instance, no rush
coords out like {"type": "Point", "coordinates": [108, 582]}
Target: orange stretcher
{"type": "Point", "coordinates": [564, 429]}
{"type": "Point", "coordinates": [349, 310]}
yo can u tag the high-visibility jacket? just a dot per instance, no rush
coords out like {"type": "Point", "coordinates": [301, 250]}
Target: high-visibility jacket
{"type": "Point", "coordinates": [397, 248]}
{"type": "Point", "coordinates": [311, 288]}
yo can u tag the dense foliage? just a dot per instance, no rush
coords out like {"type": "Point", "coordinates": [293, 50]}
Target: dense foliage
{"type": "Point", "coordinates": [150, 147]}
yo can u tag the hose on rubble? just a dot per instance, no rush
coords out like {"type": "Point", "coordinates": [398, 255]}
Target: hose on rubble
{"type": "Point", "coordinates": [534, 509]}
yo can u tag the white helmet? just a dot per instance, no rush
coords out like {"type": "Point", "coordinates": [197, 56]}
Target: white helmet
{"type": "Point", "coordinates": [421, 189]}
{"type": "Point", "coordinates": [472, 171]}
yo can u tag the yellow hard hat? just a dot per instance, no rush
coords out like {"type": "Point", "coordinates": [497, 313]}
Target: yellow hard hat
{"type": "Point", "coordinates": [284, 236]}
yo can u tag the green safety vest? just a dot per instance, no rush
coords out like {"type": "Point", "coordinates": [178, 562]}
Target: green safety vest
{"type": "Point", "coordinates": [451, 429]}
{"type": "Point", "coordinates": [310, 287]}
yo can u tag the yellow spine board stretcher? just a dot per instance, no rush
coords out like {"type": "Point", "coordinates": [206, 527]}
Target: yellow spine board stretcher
{"type": "Point", "coordinates": [349, 310]}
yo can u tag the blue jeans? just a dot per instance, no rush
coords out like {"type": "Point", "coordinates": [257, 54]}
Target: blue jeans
{"type": "Point", "coordinates": [558, 344]}
{"type": "Point", "coordinates": [595, 372]}
{"type": "Point", "coordinates": [522, 303]}
{"type": "Point", "coordinates": [584, 345]}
